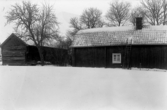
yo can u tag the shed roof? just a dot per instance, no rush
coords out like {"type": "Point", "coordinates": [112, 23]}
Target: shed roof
{"type": "Point", "coordinates": [26, 43]}
{"type": "Point", "coordinates": [149, 35]}
{"type": "Point", "coordinates": [12, 36]}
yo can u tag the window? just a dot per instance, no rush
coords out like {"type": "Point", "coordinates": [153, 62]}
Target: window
{"type": "Point", "coordinates": [116, 58]}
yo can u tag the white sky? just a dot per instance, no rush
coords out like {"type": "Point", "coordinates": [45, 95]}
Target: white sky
{"type": "Point", "coordinates": [74, 7]}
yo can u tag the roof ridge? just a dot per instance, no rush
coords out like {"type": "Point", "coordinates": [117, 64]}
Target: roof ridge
{"type": "Point", "coordinates": [123, 28]}
{"type": "Point", "coordinates": [139, 37]}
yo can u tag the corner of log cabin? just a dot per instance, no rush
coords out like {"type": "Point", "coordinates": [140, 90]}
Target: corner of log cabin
{"type": "Point", "coordinates": [13, 51]}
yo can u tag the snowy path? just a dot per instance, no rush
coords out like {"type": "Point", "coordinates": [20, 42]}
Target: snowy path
{"type": "Point", "coordinates": [67, 88]}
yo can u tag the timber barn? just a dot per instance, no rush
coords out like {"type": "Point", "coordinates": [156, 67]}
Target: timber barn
{"type": "Point", "coordinates": [18, 52]}
{"type": "Point", "coordinates": [121, 47]}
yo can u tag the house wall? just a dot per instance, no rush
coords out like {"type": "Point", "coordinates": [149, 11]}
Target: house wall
{"type": "Point", "coordinates": [89, 57]}
{"type": "Point", "coordinates": [96, 56]}
{"type": "Point", "coordinates": [13, 52]}
{"type": "Point", "coordinates": [116, 49]}
{"type": "Point", "coordinates": [148, 56]}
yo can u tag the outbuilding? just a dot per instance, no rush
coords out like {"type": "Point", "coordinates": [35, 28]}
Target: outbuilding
{"type": "Point", "coordinates": [15, 51]}
{"type": "Point", "coordinates": [121, 47]}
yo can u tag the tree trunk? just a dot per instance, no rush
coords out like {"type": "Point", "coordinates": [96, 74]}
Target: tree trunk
{"type": "Point", "coordinates": [119, 23]}
{"type": "Point", "coordinates": [41, 55]}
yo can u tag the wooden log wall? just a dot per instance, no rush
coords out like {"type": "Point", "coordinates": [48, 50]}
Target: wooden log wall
{"type": "Point", "coordinates": [14, 55]}
{"type": "Point", "coordinates": [16, 52]}
{"type": "Point", "coordinates": [90, 57]}
{"type": "Point", "coordinates": [139, 56]}
{"type": "Point", "coordinates": [149, 57]}
{"type": "Point", "coordinates": [13, 51]}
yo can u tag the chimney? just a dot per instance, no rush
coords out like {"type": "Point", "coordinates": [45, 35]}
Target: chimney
{"type": "Point", "coordinates": [139, 23]}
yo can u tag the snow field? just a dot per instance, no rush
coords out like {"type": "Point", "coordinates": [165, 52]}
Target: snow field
{"type": "Point", "coordinates": [69, 88]}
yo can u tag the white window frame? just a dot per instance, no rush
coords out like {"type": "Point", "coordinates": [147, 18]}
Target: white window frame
{"type": "Point", "coordinates": [116, 58]}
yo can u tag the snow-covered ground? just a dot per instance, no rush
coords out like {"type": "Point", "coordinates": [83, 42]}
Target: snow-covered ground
{"type": "Point", "coordinates": [68, 88]}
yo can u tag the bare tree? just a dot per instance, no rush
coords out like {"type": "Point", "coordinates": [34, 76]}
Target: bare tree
{"type": "Point", "coordinates": [65, 43]}
{"type": "Point", "coordinates": [164, 7]}
{"type": "Point", "coordinates": [118, 13]}
{"type": "Point", "coordinates": [91, 18]}
{"type": "Point", "coordinates": [76, 25]}
{"type": "Point", "coordinates": [137, 12]}
{"type": "Point", "coordinates": [154, 11]}
{"type": "Point", "coordinates": [37, 24]}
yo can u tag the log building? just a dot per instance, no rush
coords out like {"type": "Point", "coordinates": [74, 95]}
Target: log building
{"type": "Point", "coordinates": [17, 52]}
{"type": "Point", "coordinates": [121, 47]}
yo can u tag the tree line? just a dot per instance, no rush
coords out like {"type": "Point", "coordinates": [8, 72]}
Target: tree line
{"type": "Point", "coordinates": [39, 23]}
{"type": "Point", "coordinates": [153, 12]}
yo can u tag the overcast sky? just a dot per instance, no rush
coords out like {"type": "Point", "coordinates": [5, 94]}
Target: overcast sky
{"type": "Point", "coordinates": [64, 9]}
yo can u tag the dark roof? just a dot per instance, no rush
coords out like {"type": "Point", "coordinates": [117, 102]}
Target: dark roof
{"type": "Point", "coordinates": [26, 43]}
{"type": "Point", "coordinates": [12, 36]}
{"type": "Point", "coordinates": [150, 35]}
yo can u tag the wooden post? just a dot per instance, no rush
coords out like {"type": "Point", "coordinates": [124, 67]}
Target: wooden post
{"type": "Point", "coordinates": [130, 55]}
{"type": "Point", "coordinates": [125, 64]}
{"type": "Point", "coordinates": [73, 56]}
{"type": "Point", "coordinates": [105, 57]}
